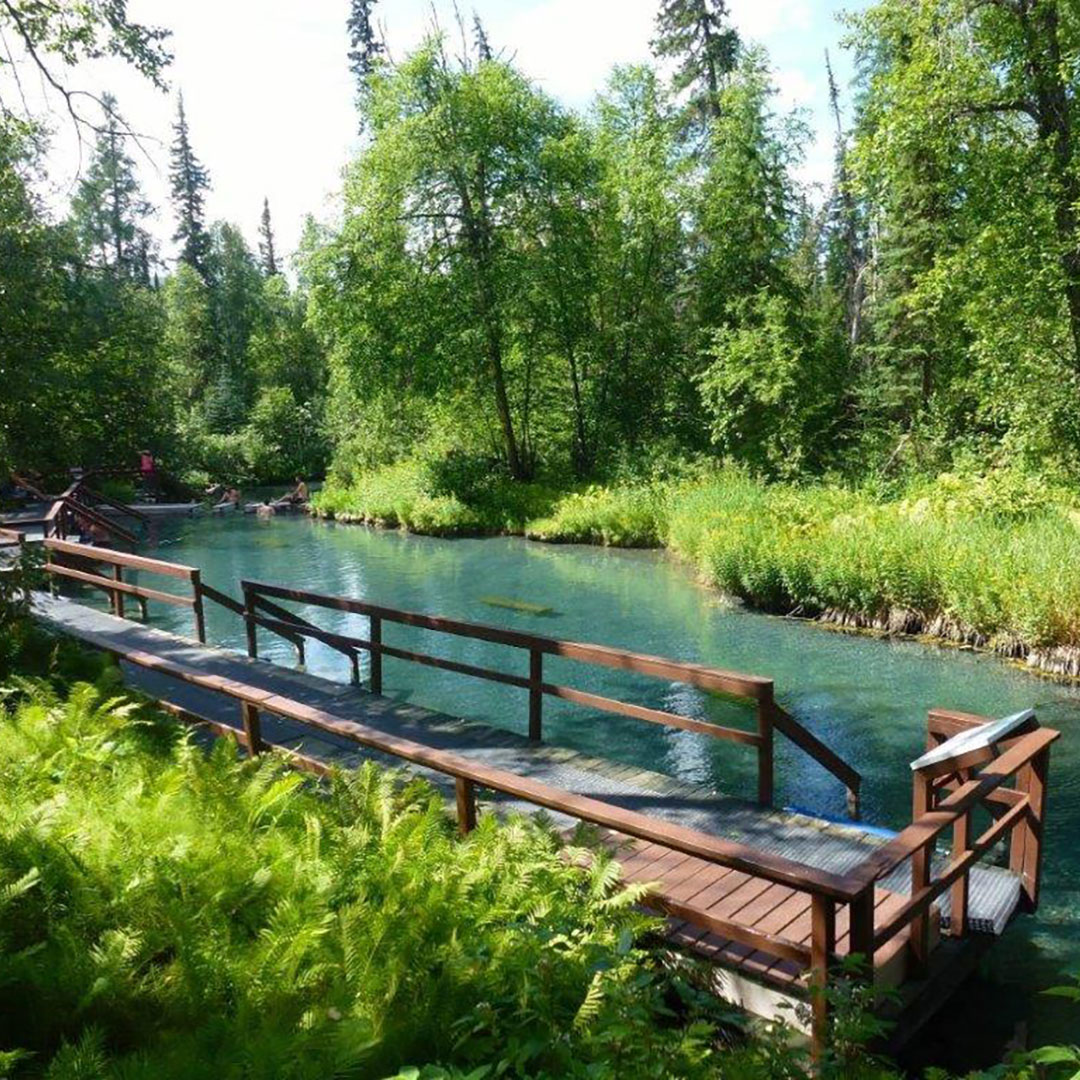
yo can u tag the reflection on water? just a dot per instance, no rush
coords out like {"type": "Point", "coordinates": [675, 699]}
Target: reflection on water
{"type": "Point", "coordinates": [866, 698]}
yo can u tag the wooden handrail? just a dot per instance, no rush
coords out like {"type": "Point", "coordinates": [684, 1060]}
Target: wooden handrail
{"type": "Point", "coordinates": [69, 502]}
{"type": "Point", "coordinates": [117, 588]}
{"type": "Point", "coordinates": [809, 743]}
{"type": "Point", "coordinates": [120, 507]}
{"type": "Point", "coordinates": [698, 675]}
{"type": "Point", "coordinates": [929, 826]}
{"type": "Point", "coordinates": [122, 558]}
{"type": "Point", "coordinates": [769, 867]}
{"type": "Point", "coordinates": [76, 506]}
{"type": "Point", "coordinates": [744, 687]}
{"type": "Point", "coordinates": [117, 585]}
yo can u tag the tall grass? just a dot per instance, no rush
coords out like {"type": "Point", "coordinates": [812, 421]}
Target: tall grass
{"type": "Point", "coordinates": [993, 560]}
{"type": "Point", "coordinates": [1009, 580]}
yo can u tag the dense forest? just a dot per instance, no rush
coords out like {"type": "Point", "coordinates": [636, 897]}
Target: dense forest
{"type": "Point", "coordinates": [513, 285]}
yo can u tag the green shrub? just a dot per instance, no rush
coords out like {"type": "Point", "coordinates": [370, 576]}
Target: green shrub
{"type": "Point", "coordinates": [451, 496]}
{"type": "Point", "coordinates": [167, 912]}
{"type": "Point", "coordinates": [619, 517]}
{"type": "Point", "coordinates": [987, 556]}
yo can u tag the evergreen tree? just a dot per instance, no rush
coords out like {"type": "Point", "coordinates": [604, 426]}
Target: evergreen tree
{"type": "Point", "coordinates": [844, 235]}
{"type": "Point", "coordinates": [108, 207]}
{"type": "Point", "coordinates": [696, 34]}
{"type": "Point", "coordinates": [267, 255]}
{"type": "Point", "coordinates": [190, 182]}
{"type": "Point", "coordinates": [480, 39]}
{"type": "Point", "coordinates": [365, 48]}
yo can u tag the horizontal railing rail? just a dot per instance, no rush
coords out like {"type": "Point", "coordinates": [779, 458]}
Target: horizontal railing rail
{"type": "Point", "coordinates": [116, 587]}
{"type": "Point", "coordinates": [749, 688]}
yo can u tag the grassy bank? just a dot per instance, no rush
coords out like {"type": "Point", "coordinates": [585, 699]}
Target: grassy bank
{"type": "Point", "coordinates": [992, 561]}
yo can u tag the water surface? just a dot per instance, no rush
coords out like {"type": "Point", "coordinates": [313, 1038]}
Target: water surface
{"type": "Point", "coordinates": [865, 697]}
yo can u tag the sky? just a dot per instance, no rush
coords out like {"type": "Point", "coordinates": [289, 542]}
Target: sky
{"type": "Point", "coordinates": [270, 99]}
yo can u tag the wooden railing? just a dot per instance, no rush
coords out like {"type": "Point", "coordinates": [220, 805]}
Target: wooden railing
{"type": "Point", "coordinates": [118, 589]}
{"type": "Point", "coordinates": [70, 511]}
{"type": "Point", "coordinates": [10, 538]}
{"type": "Point", "coordinates": [260, 611]}
{"type": "Point", "coordinates": [824, 888]}
{"type": "Point", "coordinates": [946, 803]}
{"type": "Point", "coordinates": [941, 803]}
{"type": "Point", "coordinates": [88, 496]}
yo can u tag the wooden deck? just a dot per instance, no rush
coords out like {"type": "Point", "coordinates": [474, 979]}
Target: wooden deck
{"type": "Point", "coordinates": [773, 900]}
{"type": "Point", "coordinates": [694, 892]}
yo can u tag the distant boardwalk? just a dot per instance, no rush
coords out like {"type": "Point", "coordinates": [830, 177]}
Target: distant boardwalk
{"type": "Point", "coordinates": [772, 898]}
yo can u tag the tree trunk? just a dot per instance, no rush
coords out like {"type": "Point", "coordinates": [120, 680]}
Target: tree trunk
{"type": "Point", "coordinates": [1041, 34]}
{"type": "Point", "coordinates": [478, 238]}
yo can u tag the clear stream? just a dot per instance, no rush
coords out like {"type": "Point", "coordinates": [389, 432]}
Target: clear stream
{"type": "Point", "coordinates": [867, 698]}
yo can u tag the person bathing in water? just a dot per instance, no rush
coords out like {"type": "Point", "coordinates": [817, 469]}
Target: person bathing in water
{"type": "Point", "coordinates": [295, 498]}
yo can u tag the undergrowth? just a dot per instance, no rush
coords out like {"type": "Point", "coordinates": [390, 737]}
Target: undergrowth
{"type": "Point", "coordinates": [171, 912]}
{"type": "Point", "coordinates": [990, 559]}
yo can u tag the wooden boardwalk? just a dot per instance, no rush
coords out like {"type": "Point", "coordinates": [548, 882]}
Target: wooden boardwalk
{"type": "Point", "coordinates": [772, 900]}
{"type": "Point", "coordinates": [758, 979]}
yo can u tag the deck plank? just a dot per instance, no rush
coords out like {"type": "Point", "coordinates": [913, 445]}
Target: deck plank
{"type": "Point", "coordinates": [718, 891]}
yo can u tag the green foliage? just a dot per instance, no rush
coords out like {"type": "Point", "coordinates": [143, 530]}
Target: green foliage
{"type": "Point", "coordinates": [772, 390]}
{"type": "Point", "coordinates": [451, 497]}
{"type": "Point", "coordinates": [617, 516]}
{"type": "Point", "coordinates": [164, 912]}
{"type": "Point", "coordinates": [961, 557]}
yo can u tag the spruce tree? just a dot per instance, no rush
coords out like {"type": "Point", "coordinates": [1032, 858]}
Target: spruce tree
{"type": "Point", "coordinates": [697, 35]}
{"type": "Point", "coordinates": [267, 256]}
{"type": "Point", "coordinates": [190, 182]}
{"type": "Point", "coordinates": [364, 46]}
{"type": "Point", "coordinates": [480, 38]}
{"type": "Point", "coordinates": [844, 230]}
{"type": "Point", "coordinates": [108, 207]}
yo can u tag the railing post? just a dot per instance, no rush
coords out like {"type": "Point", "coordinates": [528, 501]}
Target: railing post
{"type": "Point", "coordinates": [822, 948]}
{"type": "Point", "coordinates": [249, 715]}
{"type": "Point", "coordinates": [376, 653]}
{"type": "Point", "coordinates": [920, 878]}
{"type": "Point", "coordinates": [117, 595]}
{"type": "Point", "coordinates": [765, 747]}
{"type": "Point", "coordinates": [1025, 849]}
{"type": "Point", "coordinates": [861, 929]}
{"type": "Point", "coordinates": [536, 694]}
{"type": "Point", "coordinates": [199, 612]}
{"type": "Point", "coordinates": [466, 805]}
{"type": "Point", "coordinates": [249, 624]}
{"type": "Point", "coordinates": [854, 807]}
{"type": "Point", "coordinates": [958, 895]}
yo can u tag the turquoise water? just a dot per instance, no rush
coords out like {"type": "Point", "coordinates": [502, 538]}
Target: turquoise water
{"type": "Point", "coordinates": [866, 698]}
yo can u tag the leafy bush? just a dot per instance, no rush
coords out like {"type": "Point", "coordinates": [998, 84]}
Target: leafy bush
{"type": "Point", "coordinates": [450, 496]}
{"type": "Point", "coordinates": [619, 517]}
{"type": "Point", "coordinates": [167, 912]}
